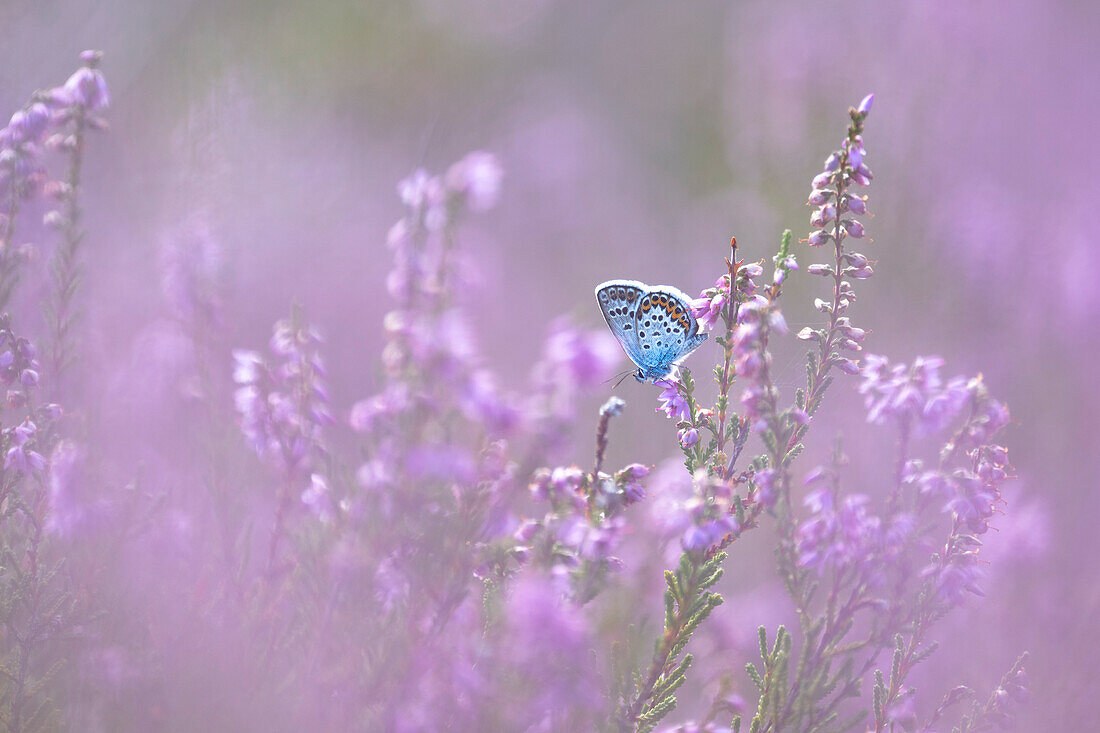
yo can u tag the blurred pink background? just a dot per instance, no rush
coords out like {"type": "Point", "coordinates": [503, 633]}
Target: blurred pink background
{"type": "Point", "coordinates": [636, 138]}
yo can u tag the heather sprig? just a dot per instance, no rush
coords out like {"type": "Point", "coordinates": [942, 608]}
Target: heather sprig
{"type": "Point", "coordinates": [37, 607]}
{"type": "Point", "coordinates": [77, 105]}
{"type": "Point", "coordinates": [283, 405]}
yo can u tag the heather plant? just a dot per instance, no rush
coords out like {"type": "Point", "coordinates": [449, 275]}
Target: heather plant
{"type": "Point", "coordinates": [436, 555]}
{"type": "Point", "coordinates": [39, 605]}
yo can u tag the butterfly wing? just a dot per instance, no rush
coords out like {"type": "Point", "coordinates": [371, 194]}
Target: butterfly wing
{"type": "Point", "coordinates": [667, 332]}
{"type": "Point", "coordinates": [618, 301]}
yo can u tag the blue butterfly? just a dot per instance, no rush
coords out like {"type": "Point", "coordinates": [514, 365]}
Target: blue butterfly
{"type": "Point", "coordinates": [652, 323]}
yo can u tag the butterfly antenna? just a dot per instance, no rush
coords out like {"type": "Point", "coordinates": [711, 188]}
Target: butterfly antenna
{"type": "Point", "coordinates": [620, 376]}
{"type": "Point", "coordinates": [624, 376]}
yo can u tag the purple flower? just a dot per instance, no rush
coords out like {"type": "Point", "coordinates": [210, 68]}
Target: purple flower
{"type": "Point", "coordinates": [477, 178]}
{"type": "Point", "coordinates": [688, 437]}
{"type": "Point", "coordinates": [915, 392]}
{"type": "Point", "coordinates": [420, 190]}
{"type": "Point", "coordinates": [629, 481]}
{"type": "Point", "coordinates": [29, 124]}
{"type": "Point", "coordinates": [707, 310]}
{"type": "Point", "coordinates": [87, 88]}
{"type": "Point", "coordinates": [673, 403]}
{"type": "Point", "coordinates": [283, 405]}
{"type": "Point", "coordinates": [957, 577]}
{"type": "Point", "coordinates": [367, 414]}
{"type": "Point", "coordinates": [482, 403]}
{"type": "Point", "coordinates": [695, 539]}
{"type": "Point", "coordinates": [836, 536]}
{"type": "Point", "coordinates": [21, 455]}
{"type": "Point", "coordinates": [318, 499]}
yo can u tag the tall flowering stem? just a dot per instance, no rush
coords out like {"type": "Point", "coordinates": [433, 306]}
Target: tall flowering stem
{"type": "Point", "coordinates": [725, 374]}
{"type": "Point", "coordinates": [35, 606]}
{"type": "Point", "coordinates": [783, 432]}
{"type": "Point", "coordinates": [82, 96]}
{"type": "Point", "coordinates": [844, 566]}
{"type": "Point", "coordinates": [717, 514]}
{"type": "Point", "coordinates": [283, 406]}
{"type": "Point", "coordinates": [834, 222]}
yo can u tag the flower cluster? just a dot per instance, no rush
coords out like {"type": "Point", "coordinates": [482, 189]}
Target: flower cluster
{"type": "Point", "coordinates": [577, 536]}
{"type": "Point", "coordinates": [673, 402]}
{"type": "Point", "coordinates": [710, 306]}
{"type": "Point", "coordinates": [55, 119]}
{"type": "Point", "coordinates": [709, 514]}
{"type": "Point", "coordinates": [282, 400]}
{"type": "Point", "coordinates": [833, 202]}
{"type": "Point", "coordinates": [833, 222]}
{"type": "Point", "coordinates": [915, 394]}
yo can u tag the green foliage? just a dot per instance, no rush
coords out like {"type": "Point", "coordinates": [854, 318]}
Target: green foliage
{"type": "Point", "coordinates": [688, 601]}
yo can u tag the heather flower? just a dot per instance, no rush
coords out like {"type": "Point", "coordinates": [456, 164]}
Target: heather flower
{"type": "Point", "coordinates": [283, 404]}
{"type": "Point", "coordinates": [370, 413]}
{"type": "Point", "coordinates": [708, 309]}
{"type": "Point", "coordinates": [420, 191]}
{"type": "Point", "coordinates": [317, 498]}
{"type": "Point", "coordinates": [688, 437]}
{"type": "Point", "coordinates": [957, 577]}
{"type": "Point", "coordinates": [476, 178]}
{"type": "Point", "coordinates": [673, 403]}
{"type": "Point", "coordinates": [836, 536]}
{"type": "Point", "coordinates": [629, 482]}
{"type": "Point", "coordinates": [482, 403]}
{"type": "Point", "coordinates": [86, 87]}
{"type": "Point", "coordinates": [27, 125]}
{"type": "Point", "coordinates": [974, 502]}
{"type": "Point", "coordinates": [21, 454]}
{"type": "Point", "coordinates": [915, 393]}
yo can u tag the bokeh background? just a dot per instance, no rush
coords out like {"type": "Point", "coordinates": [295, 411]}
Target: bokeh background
{"type": "Point", "coordinates": [636, 138]}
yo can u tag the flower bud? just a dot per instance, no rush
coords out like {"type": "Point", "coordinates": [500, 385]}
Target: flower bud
{"type": "Point", "coordinates": [689, 437]}
{"type": "Point", "coordinates": [855, 156]}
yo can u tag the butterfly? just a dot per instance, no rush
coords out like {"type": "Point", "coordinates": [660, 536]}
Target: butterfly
{"type": "Point", "coordinates": [652, 323]}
